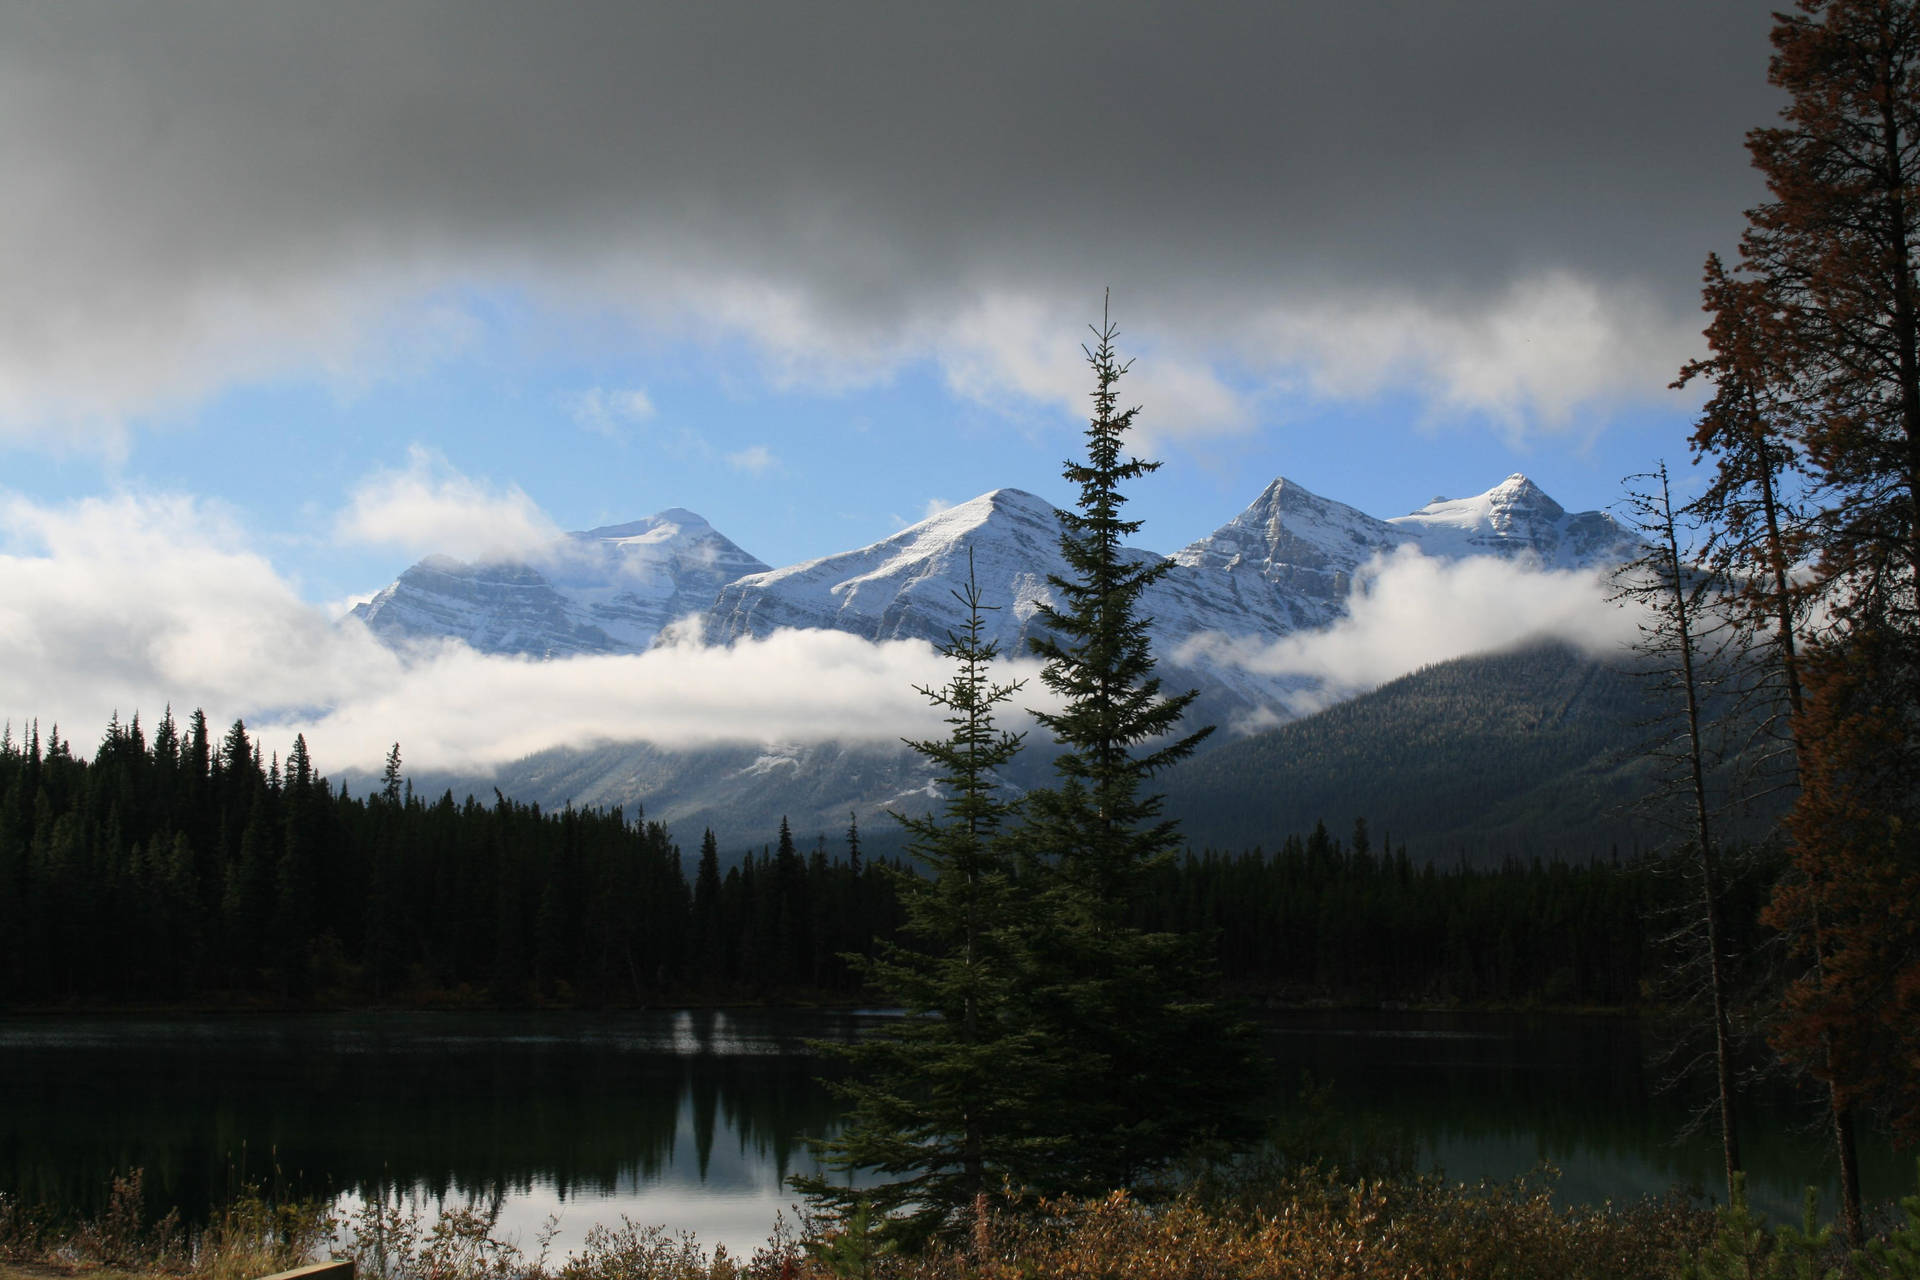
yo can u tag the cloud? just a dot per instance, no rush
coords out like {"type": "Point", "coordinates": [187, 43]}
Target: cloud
{"type": "Point", "coordinates": [429, 508]}
{"type": "Point", "coordinates": [609, 412]}
{"type": "Point", "coordinates": [933, 507]}
{"type": "Point", "coordinates": [1363, 192]}
{"type": "Point", "coordinates": [1408, 611]}
{"type": "Point", "coordinates": [1016, 346]}
{"type": "Point", "coordinates": [463, 710]}
{"type": "Point", "coordinates": [754, 459]}
{"type": "Point", "coordinates": [1547, 347]}
{"type": "Point", "coordinates": [132, 603]}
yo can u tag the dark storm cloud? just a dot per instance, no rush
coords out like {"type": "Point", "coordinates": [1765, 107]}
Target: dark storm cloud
{"type": "Point", "coordinates": [202, 192]}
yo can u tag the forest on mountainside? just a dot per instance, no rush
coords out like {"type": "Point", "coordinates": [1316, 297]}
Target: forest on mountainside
{"type": "Point", "coordinates": [1540, 751]}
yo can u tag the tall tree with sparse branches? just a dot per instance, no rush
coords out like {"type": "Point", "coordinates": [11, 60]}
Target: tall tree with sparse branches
{"type": "Point", "coordinates": [1680, 607]}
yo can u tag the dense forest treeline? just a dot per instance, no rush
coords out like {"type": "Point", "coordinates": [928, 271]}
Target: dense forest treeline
{"type": "Point", "coordinates": [179, 867]}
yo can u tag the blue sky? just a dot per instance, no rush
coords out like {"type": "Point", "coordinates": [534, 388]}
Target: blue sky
{"type": "Point", "coordinates": [297, 294]}
{"type": "Point", "coordinates": [790, 473]}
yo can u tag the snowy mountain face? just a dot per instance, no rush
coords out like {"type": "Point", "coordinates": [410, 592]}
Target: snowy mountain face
{"type": "Point", "coordinates": [906, 586]}
{"type": "Point", "coordinates": [1285, 564]}
{"type": "Point", "coordinates": [1516, 519]}
{"type": "Point", "coordinates": [608, 590]}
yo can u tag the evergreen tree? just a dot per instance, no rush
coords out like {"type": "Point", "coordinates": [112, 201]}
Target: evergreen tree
{"type": "Point", "coordinates": [709, 925]}
{"type": "Point", "coordinates": [390, 777]}
{"type": "Point", "coordinates": [943, 1098]}
{"type": "Point", "coordinates": [1151, 1066]}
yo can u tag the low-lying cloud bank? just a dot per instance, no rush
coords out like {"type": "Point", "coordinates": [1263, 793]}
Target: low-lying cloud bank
{"type": "Point", "coordinates": [129, 604]}
{"type": "Point", "coordinates": [1408, 611]}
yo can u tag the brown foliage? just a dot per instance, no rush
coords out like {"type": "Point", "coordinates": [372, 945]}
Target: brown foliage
{"type": "Point", "coordinates": [1853, 907]}
{"type": "Point", "coordinates": [1815, 429]}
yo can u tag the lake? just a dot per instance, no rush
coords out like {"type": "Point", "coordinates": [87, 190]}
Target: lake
{"type": "Point", "coordinates": [694, 1118]}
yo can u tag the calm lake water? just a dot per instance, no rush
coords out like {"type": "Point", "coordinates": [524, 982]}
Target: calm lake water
{"type": "Point", "coordinates": [695, 1118]}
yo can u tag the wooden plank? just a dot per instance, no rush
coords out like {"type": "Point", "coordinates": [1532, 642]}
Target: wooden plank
{"type": "Point", "coordinates": [316, 1271]}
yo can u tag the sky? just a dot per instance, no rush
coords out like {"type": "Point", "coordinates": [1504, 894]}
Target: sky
{"type": "Point", "coordinates": [299, 293]}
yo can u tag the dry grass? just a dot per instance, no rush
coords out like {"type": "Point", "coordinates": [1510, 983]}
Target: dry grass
{"type": "Point", "coordinates": [247, 1239]}
{"type": "Point", "coordinates": [1304, 1226]}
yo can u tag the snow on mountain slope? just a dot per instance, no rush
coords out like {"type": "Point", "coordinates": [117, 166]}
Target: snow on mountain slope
{"type": "Point", "coordinates": [607, 590]}
{"type": "Point", "coordinates": [1516, 518]}
{"type": "Point", "coordinates": [903, 586]}
{"type": "Point", "coordinates": [1284, 564]}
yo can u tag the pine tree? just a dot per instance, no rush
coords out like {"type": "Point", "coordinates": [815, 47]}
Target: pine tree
{"type": "Point", "coordinates": [390, 777]}
{"type": "Point", "coordinates": [709, 926]}
{"type": "Point", "coordinates": [1153, 1066]}
{"type": "Point", "coordinates": [942, 1102]}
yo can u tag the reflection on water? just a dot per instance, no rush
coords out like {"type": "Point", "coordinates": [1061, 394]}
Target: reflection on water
{"type": "Point", "coordinates": [1494, 1095]}
{"type": "Point", "coordinates": [694, 1119]}
{"type": "Point", "coordinates": [653, 1111]}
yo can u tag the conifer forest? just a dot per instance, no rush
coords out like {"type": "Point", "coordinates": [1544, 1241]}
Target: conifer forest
{"type": "Point", "coordinates": [172, 867]}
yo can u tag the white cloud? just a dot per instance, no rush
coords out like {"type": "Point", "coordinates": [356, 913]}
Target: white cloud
{"type": "Point", "coordinates": [1408, 611]}
{"type": "Point", "coordinates": [1531, 359]}
{"type": "Point", "coordinates": [132, 603]}
{"type": "Point", "coordinates": [753, 459]}
{"type": "Point", "coordinates": [455, 708]}
{"type": "Point", "coordinates": [933, 507]}
{"type": "Point", "coordinates": [1010, 348]}
{"type": "Point", "coordinates": [609, 413]}
{"type": "Point", "coordinates": [429, 508]}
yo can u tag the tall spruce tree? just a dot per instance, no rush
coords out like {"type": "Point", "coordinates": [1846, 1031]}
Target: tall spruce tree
{"type": "Point", "coordinates": [942, 1099]}
{"type": "Point", "coordinates": [1154, 1067]}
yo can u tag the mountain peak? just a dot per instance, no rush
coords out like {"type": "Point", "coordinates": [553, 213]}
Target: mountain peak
{"type": "Point", "coordinates": [989, 504]}
{"type": "Point", "coordinates": [1516, 518]}
{"type": "Point", "coordinates": [1517, 489]}
{"type": "Point", "coordinates": [904, 585]}
{"type": "Point", "coordinates": [1289, 525]}
{"type": "Point", "coordinates": [662, 524]}
{"type": "Point", "coordinates": [605, 590]}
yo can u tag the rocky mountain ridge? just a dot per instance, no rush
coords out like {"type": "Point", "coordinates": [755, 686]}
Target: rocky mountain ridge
{"type": "Point", "coordinates": [1285, 564]}
{"type": "Point", "coordinates": [606, 590]}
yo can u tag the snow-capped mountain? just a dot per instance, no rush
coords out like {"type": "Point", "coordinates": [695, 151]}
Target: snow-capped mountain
{"type": "Point", "coordinates": [607, 590]}
{"type": "Point", "coordinates": [903, 587]}
{"type": "Point", "coordinates": [1284, 564]}
{"type": "Point", "coordinates": [1517, 519]}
